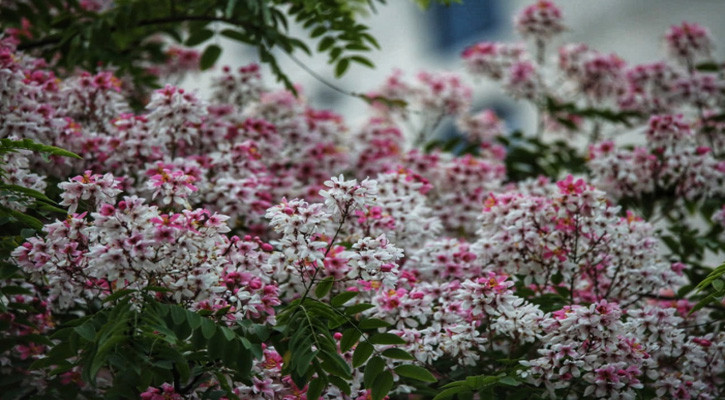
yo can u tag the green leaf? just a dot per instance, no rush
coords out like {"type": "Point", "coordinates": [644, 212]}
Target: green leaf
{"type": "Point", "coordinates": [373, 323]}
{"type": "Point", "coordinates": [341, 384]}
{"type": "Point", "coordinates": [208, 328]}
{"type": "Point", "coordinates": [342, 298]}
{"type": "Point", "coordinates": [178, 314]}
{"type": "Point", "coordinates": [363, 351]}
{"type": "Point", "coordinates": [362, 60]}
{"type": "Point", "coordinates": [303, 362]}
{"type": "Point", "coordinates": [372, 369]}
{"type": "Point", "coordinates": [510, 381]}
{"type": "Point", "coordinates": [398, 354]}
{"type": "Point", "coordinates": [237, 35]}
{"type": "Point", "coordinates": [228, 333]}
{"type": "Point", "coordinates": [50, 208]}
{"type": "Point", "coordinates": [358, 308]}
{"type": "Point", "coordinates": [210, 56]}
{"type": "Point", "coordinates": [26, 191]}
{"type": "Point", "coordinates": [386, 338]}
{"type": "Point", "coordinates": [702, 303]}
{"type": "Point", "coordinates": [216, 346]}
{"type": "Point", "coordinates": [199, 37]}
{"type": "Point", "coordinates": [29, 144]}
{"type": "Point", "coordinates": [450, 392]}
{"type": "Point", "coordinates": [325, 43]}
{"type": "Point", "coordinates": [315, 388]}
{"type": "Point", "coordinates": [334, 364]}
{"type": "Point", "coordinates": [718, 284]}
{"type": "Point", "coordinates": [715, 274]}
{"type": "Point", "coordinates": [415, 372]}
{"type": "Point", "coordinates": [317, 32]}
{"type": "Point", "coordinates": [323, 287]}
{"type": "Point", "coordinates": [349, 338]}
{"type": "Point", "coordinates": [13, 290]}
{"type": "Point", "coordinates": [24, 219]}
{"type": "Point", "coordinates": [194, 320]}
{"type": "Point", "coordinates": [86, 331]}
{"type": "Point", "coordinates": [708, 67]}
{"type": "Point", "coordinates": [101, 357]}
{"type": "Point", "coordinates": [382, 385]}
{"type": "Point", "coordinates": [342, 67]}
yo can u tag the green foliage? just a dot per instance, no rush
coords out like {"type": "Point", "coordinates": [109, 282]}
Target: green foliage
{"type": "Point", "coordinates": [561, 110]}
{"type": "Point", "coordinates": [9, 145]}
{"type": "Point", "coordinates": [125, 35]}
{"type": "Point", "coordinates": [714, 286]}
{"type": "Point", "coordinates": [530, 157]}
{"type": "Point", "coordinates": [143, 342]}
{"type": "Point", "coordinates": [304, 335]}
{"type": "Point", "coordinates": [15, 227]}
{"type": "Point", "coordinates": [487, 387]}
{"type": "Point", "coordinates": [37, 203]}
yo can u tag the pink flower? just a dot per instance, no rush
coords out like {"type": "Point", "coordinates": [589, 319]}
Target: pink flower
{"type": "Point", "coordinates": [570, 186]}
{"type": "Point", "coordinates": [541, 20]}
{"type": "Point", "coordinates": [687, 41]}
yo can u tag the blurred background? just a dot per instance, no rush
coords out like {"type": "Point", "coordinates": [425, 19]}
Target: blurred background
{"type": "Point", "coordinates": [414, 40]}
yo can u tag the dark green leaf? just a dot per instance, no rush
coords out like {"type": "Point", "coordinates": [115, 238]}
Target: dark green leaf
{"type": "Point", "coordinates": [314, 390]}
{"type": "Point", "coordinates": [372, 369]}
{"type": "Point", "coordinates": [303, 361]}
{"type": "Point", "coordinates": [361, 354]}
{"type": "Point", "coordinates": [342, 298]}
{"type": "Point", "coordinates": [715, 274]}
{"type": "Point", "coordinates": [237, 35]}
{"type": "Point", "coordinates": [349, 338]}
{"type": "Point", "coordinates": [178, 314]}
{"type": "Point", "coordinates": [510, 381]}
{"type": "Point", "coordinates": [342, 67]}
{"type": "Point", "coordinates": [199, 37]}
{"type": "Point", "coordinates": [208, 328]}
{"type": "Point", "coordinates": [325, 43]}
{"type": "Point", "coordinates": [86, 331]}
{"type": "Point", "coordinates": [341, 384]}
{"type": "Point", "coordinates": [415, 372]}
{"type": "Point", "coordinates": [362, 60]}
{"type": "Point", "coordinates": [382, 385]}
{"type": "Point", "coordinates": [216, 346]}
{"type": "Point", "coordinates": [26, 191]}
{"type": "Point", "coordinates": [323, 287]}
{"type": "Point", "coordinates": [386, 338]}
{"type": "Point", "coordinates": [24, 219]}
{"type": "Point", "coordinates": [358, 308]}
{"type": "Point", "coordinates": [194, 320]}
{"type": "Point", "coordinates": [209, 57]}
{"type": "Point", "coordinates": [373, 323]}
{"type": "Point", "coordinates": [398, 354]}
{"type": "Point", "coordinates": [334, 364]}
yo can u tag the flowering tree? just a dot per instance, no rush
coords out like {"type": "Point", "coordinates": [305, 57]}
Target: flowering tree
{"type": "Point", "coordinates": [249, 245]}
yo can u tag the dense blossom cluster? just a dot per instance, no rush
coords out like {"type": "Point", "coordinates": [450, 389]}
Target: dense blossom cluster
{"type": "Point", "coordinates": [244, 202]}
{"type": "Point", "coordinates": [575, 240]}
{"type": "Point", "coordinates": [671, 161]}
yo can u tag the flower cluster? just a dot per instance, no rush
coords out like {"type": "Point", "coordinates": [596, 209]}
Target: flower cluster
{"type": "Point", "coordinates": [688, 41]}
{"type": "Point", "coordinates": [541, 20]}
{"type": "Point", "coordinates": [575, 241]}
{"type": "Point", "coordinates": [96, 189]}
{"type": "Point", "coordinates": [310, 231]}
{"type": "Point", "coordinates": [247, 203]}
{"type": "Point", "coordinates": [671, 161]}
